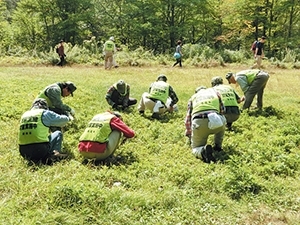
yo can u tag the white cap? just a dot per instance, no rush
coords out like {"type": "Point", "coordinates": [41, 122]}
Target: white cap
{"type": "Point", "coordinates": [112, 38]}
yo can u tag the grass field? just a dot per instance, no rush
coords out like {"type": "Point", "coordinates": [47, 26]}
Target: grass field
{"type": "Point", "coordinates": [153, 178]}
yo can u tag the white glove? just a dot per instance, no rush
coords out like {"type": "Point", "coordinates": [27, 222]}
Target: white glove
{"type": "Point", "coordinates": [71, 118]}
{"type": "Point", "coordinates": [72, 112]}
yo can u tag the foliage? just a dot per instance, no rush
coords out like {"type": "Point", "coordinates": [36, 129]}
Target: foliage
{"type": "Point", "coordinates": [227, 24]}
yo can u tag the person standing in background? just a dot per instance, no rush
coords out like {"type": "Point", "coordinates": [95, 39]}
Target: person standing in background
{"type": "Point", "coordinates": [61, 53]}
{"type": "Point", "coordinates": [259, 53]}
{"type": "Point", "coordinates": [178, 54]}
{"type": "Point", "coordinates": [109, 49]}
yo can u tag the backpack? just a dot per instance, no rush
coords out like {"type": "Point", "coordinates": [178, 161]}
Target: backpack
{"type": "Point", "coordinates": [253, 46]}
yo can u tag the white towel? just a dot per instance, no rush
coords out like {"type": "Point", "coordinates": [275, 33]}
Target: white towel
{"type": "Point", "coordinates": [157, 106]}
{"type": "Point", "coordinates": [215, 120]}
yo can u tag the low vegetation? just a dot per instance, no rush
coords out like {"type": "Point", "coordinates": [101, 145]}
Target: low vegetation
{"type": "Point", "coordinates": [153, 178]}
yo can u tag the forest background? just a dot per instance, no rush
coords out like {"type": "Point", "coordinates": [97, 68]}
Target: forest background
{"type": "Point", "coordinates": [214, 32]}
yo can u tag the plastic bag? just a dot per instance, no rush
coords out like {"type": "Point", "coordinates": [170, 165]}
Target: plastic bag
{"type": "Point", "coordinates": [215, 120]}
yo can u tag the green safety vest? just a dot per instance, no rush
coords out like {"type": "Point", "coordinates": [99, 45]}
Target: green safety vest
{"type": "Point", "coordinates": [32, 130]}
{"type": "Point", "coordinates": [205, 100]}
{"type": "Point", "coordinates": [115, 86]}
{"type": "Point", "coordinates": [43, 95]}
{"type": "Point", "coordinates": [160, 91]}
{"type": "Point", "coordinates": [109, 45]}
{"type": "Point", "coordinates": [227, 94]}
{"type": "Point", "coordinates": [98, 128]}
{"type": "Point", "coordinates": [250, 74]}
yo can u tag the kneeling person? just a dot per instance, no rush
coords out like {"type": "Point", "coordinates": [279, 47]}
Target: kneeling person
{"type": "Point", "coordinates": [204, 117]}
{"type": "Point", "coordinates": [118, 96]}
{"type": "Point", "coordinates": [102, 136]}
{"type": "Point", "coordinates": [35, 142]}
{"type": "Point", "coordinates": [230, 99]}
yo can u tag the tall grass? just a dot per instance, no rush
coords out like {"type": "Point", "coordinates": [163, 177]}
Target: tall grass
{"type": "Point", "coordinates": [153, 178]}
{"type": "Point", "coordinates": [195, 55]}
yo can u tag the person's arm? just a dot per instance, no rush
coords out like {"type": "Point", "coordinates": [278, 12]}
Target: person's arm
{"type": "Point", "coordinates": [108, 96]}
{"type": "Point", "coordinates": [238, 98]}
{"type": "Point", "coordinates": [50, 118]}
{"type": "Point", "coordinates": [126, 97]}
{"type": "Point", "coordinates": [242, 81]}
{"type": "Point", "coordinates": [262, 51]}
{"type": "Point", "coordinates": [173, 96]}
{"type": "Point", "coordinates": [54, 94]}
{"type": "Point", "coordinates": [117, 124]}
{"type": "Point", "coordinates": [188, 120]}
{"type": "Point", "coordinates": [180, 51]}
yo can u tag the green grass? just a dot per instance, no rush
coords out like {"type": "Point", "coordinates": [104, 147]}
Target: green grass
{"type": "Point", "coordinates": [153, 178]}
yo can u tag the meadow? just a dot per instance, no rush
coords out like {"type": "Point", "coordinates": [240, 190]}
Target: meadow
{"type": "Point", "coordinates": [153, 178]}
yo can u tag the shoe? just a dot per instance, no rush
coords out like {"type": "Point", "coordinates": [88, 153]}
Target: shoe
{"type": "Point", "coordinates": [229, 126]}
{"type": "Point", "coordinates": [155, 116]}
{"type": "Point", "coordinates": [58, 155]}
{"type": "Point", "coordinates": [207, 154]}
{"type": "Point", "coordinates": [217, 148]}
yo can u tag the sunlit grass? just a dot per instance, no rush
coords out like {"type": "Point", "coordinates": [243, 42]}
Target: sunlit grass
{"type": "Point", "coordinates": [153, 178]}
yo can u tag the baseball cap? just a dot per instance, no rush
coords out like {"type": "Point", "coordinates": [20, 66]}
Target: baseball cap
{"type": "Point", "coordinates": [71, 87]}
{"type": "Point", "coordinates": [199, 88]}
{"type": "Point", "coordinates": [216, 80]}
{"type": "Point", "coordinates": [112, 38]}
{"type": "Point", "coordinates": [121, 86]}
{"type": "Point", "coordinates": [162, 77]}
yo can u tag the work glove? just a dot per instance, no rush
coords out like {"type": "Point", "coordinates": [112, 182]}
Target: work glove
{"type": "Point", "coordinates": [189, 141]}
{"type": "Point", "coordinates": [71, 118]}
{"type": "Point", "coordinates": [72, 112]}
{"type": "Point", "coordinates": [115, 106]}
{"type": "Point", "coordinates": [125, 106]}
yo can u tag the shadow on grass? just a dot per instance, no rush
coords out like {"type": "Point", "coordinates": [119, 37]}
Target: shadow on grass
{"type": "Point", "coordinates": [221, 156]}
{"type": "Point", "coordinates": [164, 118]}
{"type": "Point", "coordinates": [114, 160]}
{"type": "Point", "coordinates": [266, 112]}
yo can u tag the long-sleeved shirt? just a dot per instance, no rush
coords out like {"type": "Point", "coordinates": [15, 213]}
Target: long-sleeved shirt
{"type": "Point", "coordinates": [114, 97]}
{"type": "Point", "coordinates": [115, 124]}
{"type": "Point", "coordinates": [54, 93]}
{"type": "Point", "coordinates": [50, 118]}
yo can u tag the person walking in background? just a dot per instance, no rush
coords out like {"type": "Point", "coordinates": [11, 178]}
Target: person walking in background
{"type": "Point", "coordinates": [53, 94]}
{"type": "Point", "coordinates": [230, 100]}
{"type": "Point", "coordinates": [117, 96]}
{"type": "Point", "coordinates": [252, 82]}
{"type": "Point", "coordinates": [178, 54]}
{"type": "Point", "coordinates": [102, 136]}
{"type": "Point", "coordinates": [203, 118]}
{"type": "Point", "coordinates": [259, 53]}
{"type": "Point", "coordinates": [35, 142]}
{"type": "Point", "coordinates": [156, 99]}
{"type": "Point", "coordinates": [109, 49]}
{"type": "Point", "coordinates": [61, 53]}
